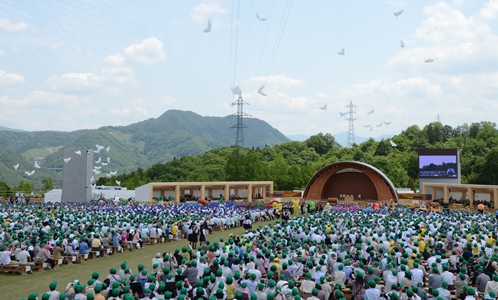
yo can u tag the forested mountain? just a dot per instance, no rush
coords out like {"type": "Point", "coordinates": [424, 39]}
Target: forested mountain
{"type": "Point", "coordinates": [173, 134]}
{"type": "Point", "coordinates": [290, 165]}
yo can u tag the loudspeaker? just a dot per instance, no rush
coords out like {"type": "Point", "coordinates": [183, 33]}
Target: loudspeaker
{"type": "Point", "coordinates": [77, 174]}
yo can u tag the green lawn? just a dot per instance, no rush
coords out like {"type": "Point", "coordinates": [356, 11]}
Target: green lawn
{"type": "Point", "coordinates": [13, 286]}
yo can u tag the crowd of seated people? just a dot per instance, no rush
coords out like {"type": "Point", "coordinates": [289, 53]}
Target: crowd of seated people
{"type": "Point", "coordinates": [466, 202]}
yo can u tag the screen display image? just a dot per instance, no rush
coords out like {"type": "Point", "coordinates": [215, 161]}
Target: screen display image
{"type": "Point", "coordinates": [442, 166]}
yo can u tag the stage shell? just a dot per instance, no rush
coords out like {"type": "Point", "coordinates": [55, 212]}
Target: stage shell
{"type": "Point", "coordinates": [356, 180]}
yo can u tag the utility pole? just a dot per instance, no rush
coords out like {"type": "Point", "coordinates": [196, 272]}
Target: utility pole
{"type": "Point", "coordinates": [438, 118]}
{"type": "Point", "coordinates": [351, 118]}
{"type": "Point", "coordinates": [239, 135]}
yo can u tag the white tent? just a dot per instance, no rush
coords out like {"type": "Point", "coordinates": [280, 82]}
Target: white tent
{"type": "Point", "coordinates": [54, 195]}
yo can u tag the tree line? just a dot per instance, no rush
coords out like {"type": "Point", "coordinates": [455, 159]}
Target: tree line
{"type": "Point", "coordinates": [290, 165]}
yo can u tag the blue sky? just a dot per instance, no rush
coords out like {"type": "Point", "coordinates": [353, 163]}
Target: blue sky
{"type": "Point", "coordinates": [84, 64]}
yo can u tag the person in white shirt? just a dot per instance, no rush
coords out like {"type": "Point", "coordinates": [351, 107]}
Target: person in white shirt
{"type": "Point", "coordinates": [448, 277]}
{"type": "Point", "coordinates": [158, 260]}
{"type": "Point", "coordinates": [417, 274]}
{"type": "Point", "coordinates": [5, 254]}
{"type": "Point", "coordinates": [372, 293]}
{"type": "Point", "coordinates": [201, 266]}
{"type": "Point", "coordinates": [471, 293]}
{"type": "Point", "coordinates": [23, 255]}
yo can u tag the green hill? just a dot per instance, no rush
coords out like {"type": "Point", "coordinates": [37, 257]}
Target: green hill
{"type": "Point", "coordinates": [140, 145]}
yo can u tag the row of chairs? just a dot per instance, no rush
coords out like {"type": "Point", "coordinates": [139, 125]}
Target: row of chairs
{"type": "Point", "coordinates": [78, 258]}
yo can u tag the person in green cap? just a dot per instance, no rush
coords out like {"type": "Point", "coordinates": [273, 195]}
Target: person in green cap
{"type": "Point", "coordinates": [307, 286]}
{"type": "Point", "coordinates": [434, 293]}
{"type": "Point", "coordinates": [115, 294]}
{"type": "Point", "coordinates": [481, 280]}
{"type": "Point", "coordinates": [260, 293]}
{"type": "Point", "coordinates": [314, 295]}
{"type": "Point", "coordinates": [54, 295]}
{"type": "Point", "coordinates": [357, 286]}
{"type": "Point", "coordinates": [113, 277]}
{"type": "Point", "coordinates": [230, 288]}
{"type": "Point", "coordinates": [121, 272]}
{"type": "Point", "coordinates": [191, 273]}
{"type": "Point", "coordinates": [244, 288]}
{"type": "Point", "coordinates": [200, 294]}
{"type": "Point", "coordinates": [340, 276]}
{"type": "Point", "coordinates": [97, 292]}
{"type": "Point", "coordinates": [79, 290]}
{"type": "Point", "coordinates": [128, 297]}
{"type": "Point", "coordinates": [33, 296]}
{"type": "Point", "coordinates": [492, 285]}
{"type": "Point", "coordinates": [371, 292]}
{"type": "Point", "coordinates": [490, 296]}
{"type": "Point", "coordinates": [460, 282]}
{"type": "Point", "coordinates": [444, 292]}
{"type": "Point", "coordinates": [435, 280]}
{"type": "Point", "coordinates": [470, 293]}
{"type": "Point", "coordinates": [136, 287]}
{"type": "Point", "coordinates": [393, 296]}
{"type": "Point", "coordinates": [392, 278]}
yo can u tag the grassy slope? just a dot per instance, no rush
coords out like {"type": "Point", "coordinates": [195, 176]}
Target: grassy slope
{"type": "Point", "coordinates": [16, 287]}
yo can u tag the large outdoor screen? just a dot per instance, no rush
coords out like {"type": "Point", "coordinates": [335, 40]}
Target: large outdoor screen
{"type": "Point", "coordinates": [438, 163]}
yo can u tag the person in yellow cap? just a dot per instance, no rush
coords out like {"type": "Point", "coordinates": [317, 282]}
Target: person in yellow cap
{"type": "Point", "coordinates": [490, 239]}
{"type": "Point", "coordinates": [391, 243]}
{"type": "Point", "coordinates": [421, 244]}
{"type": "Point", "coordinates": [295, 206]}
{"type": "Point", "coordinates": [174, 231]}
{"type": "Point", "coordinates": [422, 229]}
{"type": "Point", "coordinates": [276, 262]}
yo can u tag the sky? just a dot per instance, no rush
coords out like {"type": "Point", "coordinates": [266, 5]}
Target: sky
{"type": "Point", "coordinates": [67, 65]}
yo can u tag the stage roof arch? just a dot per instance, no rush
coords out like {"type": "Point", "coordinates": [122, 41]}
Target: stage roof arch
{"type": "Point", "coordinates": [359, 180]}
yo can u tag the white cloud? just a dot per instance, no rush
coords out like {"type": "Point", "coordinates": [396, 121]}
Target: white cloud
{"type": "Point", "coordinates": [37, 99]}
{"type": "Point", "coordinates": [56, 46]}
{"type": "Point", "coordinates": [76, 82]}
{"type": "Point", "coordinates": [456, 43]}
{"type": "Point", "coordinates": [120, 76]}
{"type": "Point", "coordinates": [1, 53]}
{"type": "Point", "coordinates": [10, 79]}
{"type": "Point", "coordinates": [490, 10]}
{"type": "Point", "coordinates": [91, 82]}
{"type": "Point", "coordinates": [42, 110]}
{"type": "Point", "coordinates": [120, 112]}
{"type": "Point", "coordinates": [201, 12]}
{"type": "Point", "coordinates": [149, 51]}
{"type": "Point", "coordinates": [14, 48]}
{"type": "Point", "coordinates": [7, 24]}
{"type": "Point", "coordinates": [168, 100]}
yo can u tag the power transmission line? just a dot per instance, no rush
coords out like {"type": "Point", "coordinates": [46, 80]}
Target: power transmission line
{"type": "Point", "coordinates": [239, 126]}
{"type": "Point", "coordinates": [351, 118]}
